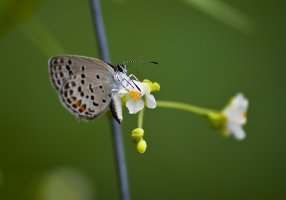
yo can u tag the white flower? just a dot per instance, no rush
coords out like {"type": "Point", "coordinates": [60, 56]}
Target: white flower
{"type": "Point", "coordinates": [133, 92]}
{"type": "Point", "coordinates": [235, 112]}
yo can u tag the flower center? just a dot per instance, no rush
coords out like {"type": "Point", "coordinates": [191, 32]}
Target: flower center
{"type": "Point", "coordinates": [134, 94]}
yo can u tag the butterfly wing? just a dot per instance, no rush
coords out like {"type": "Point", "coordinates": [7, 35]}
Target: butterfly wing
{"type": "Point", "coordinates": [63, 67]}
{"type": "Point", "coordinates": [83, 84]}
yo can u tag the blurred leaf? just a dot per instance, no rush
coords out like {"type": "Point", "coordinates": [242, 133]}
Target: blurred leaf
{"type": "Point", "coordinates": [13, 12]}
{"type": "Point", "coordinates": [224, 13]}
{"type": "Point", "coordinates": [39, 35]}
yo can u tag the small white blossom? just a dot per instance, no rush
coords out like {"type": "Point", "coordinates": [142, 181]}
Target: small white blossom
{"type": "Point", "coordinates": [133, 92]}
{"type": "Point", "coordinates": [235, 113]}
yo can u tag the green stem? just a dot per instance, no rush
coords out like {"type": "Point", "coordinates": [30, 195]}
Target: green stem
{"type": "Point", "coordinates": [140, 118]}
{"type": "Point", "coordinates": [184, 107]}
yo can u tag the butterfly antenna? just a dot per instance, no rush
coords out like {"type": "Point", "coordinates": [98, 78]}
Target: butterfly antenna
{"type": "Point", "coordinates": [133, 62]}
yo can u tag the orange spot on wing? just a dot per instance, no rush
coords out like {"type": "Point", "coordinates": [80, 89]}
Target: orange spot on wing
{"type": "Point", "coordinates": [78, 103]}
{"type": "Point", "coordinates": [82, 108]}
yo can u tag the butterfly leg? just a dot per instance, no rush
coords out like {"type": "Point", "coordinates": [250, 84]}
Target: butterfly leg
{"type": "Point", "coordinates": [124, 79]}
{"type": "Point", "coordinates": [133, 76]}
{"type": "Point", "coordinates": [124, 82]}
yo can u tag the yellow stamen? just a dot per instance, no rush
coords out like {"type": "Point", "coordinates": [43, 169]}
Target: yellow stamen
{"type": "Point", "coordinates": [135, 95]}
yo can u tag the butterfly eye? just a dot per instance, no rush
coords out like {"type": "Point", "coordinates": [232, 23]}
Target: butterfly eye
{"type": "Point", "coordinates": [119, 68]}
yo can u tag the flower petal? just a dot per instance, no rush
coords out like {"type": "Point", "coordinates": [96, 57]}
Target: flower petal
{"type": "Point", "coordinates": [122, 92]}
{"type": "Point", "coordinates": [134, 105]}
{"type": "Point", "coordinates": [236, 131]}
{"type": "Point", "coordinates": [236, 110]}
{"type": "Point", "coordinates": [150, 101]}
{"type": "Point", "coordinates": [240, 101]}
{"type": "Point", "coordinates": [146, 88]}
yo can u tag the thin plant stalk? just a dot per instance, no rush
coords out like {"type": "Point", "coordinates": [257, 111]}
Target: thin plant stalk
{"type": "Point", "coordinates": [184, 107]}
{"type": "Point", "coordinates": [116, 130]}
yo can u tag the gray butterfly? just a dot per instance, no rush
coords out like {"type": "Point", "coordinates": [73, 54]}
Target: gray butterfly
{"type": "Point", "coordinates": [85, 85]}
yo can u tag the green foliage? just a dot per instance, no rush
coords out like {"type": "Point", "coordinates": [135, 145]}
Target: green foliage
{"type": "Point", "coordinates": [225, 13]}
{"type": "Point", "coordinates": [14, 12]}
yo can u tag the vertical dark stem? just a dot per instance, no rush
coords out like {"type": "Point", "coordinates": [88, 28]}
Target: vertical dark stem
{"type": "Point", "coordinates": [99, 26]}
{"type": "Point", "coordinates": [120, 160]}
{"type": "Point", "coordinates": [116, 130]}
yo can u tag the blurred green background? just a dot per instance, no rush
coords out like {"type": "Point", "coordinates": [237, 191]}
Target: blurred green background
{"type": "Point", "coordinates": [208, 51]}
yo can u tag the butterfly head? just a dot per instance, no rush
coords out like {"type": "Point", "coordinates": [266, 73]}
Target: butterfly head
{"type": "Point", "coordinates": [121, 68]}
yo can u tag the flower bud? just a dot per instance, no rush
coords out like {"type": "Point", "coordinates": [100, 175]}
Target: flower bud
{"type": "Point", "coordinates": [147, 81]}
{"type": "Point", "coordinates": [155, 87]}
{"type": "Point", "coordinates": [137, 134]}
{"type": "Point", "coordinates": [141, 146]}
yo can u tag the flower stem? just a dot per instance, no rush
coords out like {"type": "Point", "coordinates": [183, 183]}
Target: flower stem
{"type": "Point", "coordinates": [116, 131]}
{"type": "Point", "coordinates": [184, 107]}
{"type": "Point", "coordinates": [140, 118]}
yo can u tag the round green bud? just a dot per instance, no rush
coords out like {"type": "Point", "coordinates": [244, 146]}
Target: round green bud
{"type": "Point", "coordinates": [155, 87]}
{"type": "Point", "coordinates": [147, 81]}
{"type": "Point", "coordinates": [141, 146]}
{"type": "Point", "coordinates": [137, 134]}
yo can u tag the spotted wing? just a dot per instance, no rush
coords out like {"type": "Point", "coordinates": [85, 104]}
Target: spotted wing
{"type": "Point", "coordinates": [63, 67]}
{"type": "Point", "coordinates": [84, 84]}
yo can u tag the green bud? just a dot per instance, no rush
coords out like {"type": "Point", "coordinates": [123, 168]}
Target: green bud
{"type": "Point", "coordinates": [141, 146]}
{"type": "Point", "coordinates": [147, 81]}
{"type": "Point", "coordinates": [137, 134]}
{"type": "Point", "coordinates": [155, 87]}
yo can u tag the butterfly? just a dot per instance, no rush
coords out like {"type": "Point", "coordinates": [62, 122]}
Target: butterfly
{"type": "Point", "coordinates": [87, 86]}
